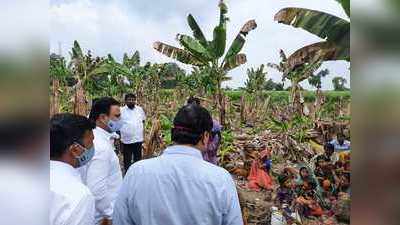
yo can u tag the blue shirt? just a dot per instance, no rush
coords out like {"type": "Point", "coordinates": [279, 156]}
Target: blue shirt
{"type": "Point", "coordinates": [338, 147]}
{"type": "Point", "coordinates": [177, 188]}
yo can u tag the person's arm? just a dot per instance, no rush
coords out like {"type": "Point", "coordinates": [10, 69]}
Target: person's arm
{"type": "Point", "coordinates": [97, 174]}
{"type": "Point", "coordinates": [233, 214]}
{"type": "Point", "coordinates": [84, 212]}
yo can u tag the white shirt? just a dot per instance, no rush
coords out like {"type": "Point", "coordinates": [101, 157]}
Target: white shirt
{"type": "Point", "coordinates": [103, 174]}
{"type": "Point", "coordinates": [132, 128]}
{"type": "Point", "coordinates": [177, 188]}
{"type": "Point", "coordinates": [71, 202]}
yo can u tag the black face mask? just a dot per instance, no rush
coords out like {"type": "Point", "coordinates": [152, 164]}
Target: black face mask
{"type": "Point", "coordinates": [131, 105]}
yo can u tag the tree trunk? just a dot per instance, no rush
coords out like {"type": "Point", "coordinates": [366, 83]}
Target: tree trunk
{"type": "Point", "coordinates": [295, 98]}
{"type": "Point", "coordinates": [221, 105]}
{"type": "Point", "coordinates": [55, 98]}
{"type": "Point", "coordinates": [80, 104]}
{"type": "Point", "coordinates": [242, 109]}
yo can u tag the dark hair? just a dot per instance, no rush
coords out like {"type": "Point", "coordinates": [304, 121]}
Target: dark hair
{"type": "Point", "coordinates": [130, 95]}
{"type": "Point", "coordinates": [65, 129]}
{"type": "Point", "coordinates": [303, 168]}
{"type": "Point", "coordinates": [340, 135]}
{"type": "Point", "coordinates": [101, 106]}
{"type": "Point", "coordinates": [193, 100]}
{"type": "Point", "coordinates": [329, 146]}
{"type": "Point", "coordinates": [190, 123]}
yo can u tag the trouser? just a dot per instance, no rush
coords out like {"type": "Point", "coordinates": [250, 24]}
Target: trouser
{"type": "Point", "coordinates": [134, 149]}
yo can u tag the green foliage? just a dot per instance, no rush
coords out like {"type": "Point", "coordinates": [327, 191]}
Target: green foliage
{"type": "Point", "coordinates": [226, 143]}
{"type": "Point", "coordinates": [58, 67]}
{"type": "Point", "coordinates": [166, 126]}
{"type": "Point", "coordinates": [171, 75]}
{"type": "Point", "coordinates": [339, 84]}
{"type": "Point", "coordinates": [315, 80]}
{"type": "Point", "coordinates": [296, 127]}
{"type": "Point", "coordinates": [255, 82]}
{"type": "Point", "coordinates": [283, 96]}
{"type": "Point", "coordinates": [270, 85]}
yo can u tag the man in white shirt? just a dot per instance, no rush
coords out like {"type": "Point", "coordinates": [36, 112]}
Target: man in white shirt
{"type": "Point", "coordinates": [132, 130]}
{"type": "Point", "coordinates": [341, 144]}
{"type": "Point", "coordinates": [103, 173]}
{"type": "Point", "coordinates": [71, 146]}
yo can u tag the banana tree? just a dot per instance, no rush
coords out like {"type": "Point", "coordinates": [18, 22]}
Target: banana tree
{"type": "Point", "coordinates": [334, 30]}
{"type": "Point", "coordinates": [58, 72]}
{"type": "Point", "coordinates": [199, 52]}
{"type": "Point", "coordinates": [255, 82]}
{"type": "Point", "coordinates": [296, 75]}
{"type": "Point", "coordinates": [82, 67]}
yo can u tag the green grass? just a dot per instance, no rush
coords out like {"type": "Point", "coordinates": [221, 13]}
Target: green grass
{"type": "Point", "coordinates": [282, 96]}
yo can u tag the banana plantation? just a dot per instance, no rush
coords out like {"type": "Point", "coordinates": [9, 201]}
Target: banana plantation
{"type": "Point", "coordinates": [262, 121]}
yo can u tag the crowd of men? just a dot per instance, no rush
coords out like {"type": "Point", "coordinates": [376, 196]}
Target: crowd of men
{"type": "Point", "coordinates": [182, 186]}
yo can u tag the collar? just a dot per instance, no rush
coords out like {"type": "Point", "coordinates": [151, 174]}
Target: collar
{"type": "Point", "coordinates": [64, 167]}
{"type": "Point", "coordinates": [98, 131]}
{"type": "Point", "coordinates": [183, 150]}
{"type": "Point", "coordinates": [127, 108]}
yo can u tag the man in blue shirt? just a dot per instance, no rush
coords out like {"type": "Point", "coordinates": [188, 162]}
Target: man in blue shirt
{"type": "Point", "coordinates": [179, 187]}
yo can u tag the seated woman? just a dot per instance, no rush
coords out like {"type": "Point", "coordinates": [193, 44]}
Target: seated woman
{"type": "Point", "coordinates": [306, 203]}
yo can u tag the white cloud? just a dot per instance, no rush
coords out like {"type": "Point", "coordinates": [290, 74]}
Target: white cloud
{"type": "Point", "coordinates": [120, 26]}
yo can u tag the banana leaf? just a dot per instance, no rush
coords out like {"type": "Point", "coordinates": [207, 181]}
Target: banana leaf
{"type": "Point", "coordinates": [324, 25]}
{"type": "Point", "coordinates": [101, 69]}
{"type": "Point", "coordinates": [109, 56]}
{"type": "Point", "coordinates": [76, 50]}
{"type": "Point", "coordinates": [181, 55]}
{"type": "Point", "coordinates": [234, 62]}
{"type": "Point", "coordinates": [239, 41]}
{"type": "Point", "coordinates": [345, 5]}
{"type": "Point", "coordinates": [194, 47]}
{"type": "Point", "coordinates": [219, 35]}
{"type": "Point", "coordinates": [126, 60]}
{"type": "Point", "coordinates": [197, 33]}
{"type": "Point", "coordinates": [324, 50]}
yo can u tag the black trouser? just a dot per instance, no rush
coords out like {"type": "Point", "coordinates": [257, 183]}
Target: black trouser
{"type": "Point", "coordinates": [128, 150]}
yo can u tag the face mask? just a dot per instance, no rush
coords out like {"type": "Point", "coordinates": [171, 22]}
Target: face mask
{"type": "Point", "coordinates": [131, 106]}
{"type": "Point", "coordinates": [115, 125]}
{"type": "Point", "coordinates": [86, 156]}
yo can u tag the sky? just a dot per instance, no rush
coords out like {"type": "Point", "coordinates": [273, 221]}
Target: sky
{"type": "Point", "coordinates": [119, 26]}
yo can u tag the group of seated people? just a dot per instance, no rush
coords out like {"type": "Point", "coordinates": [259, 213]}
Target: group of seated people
{"type": "Point", "coordinates": [314, 189]}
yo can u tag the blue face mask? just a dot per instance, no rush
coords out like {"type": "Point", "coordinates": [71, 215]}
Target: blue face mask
{"type": "Point", "coordinates": [86, 156]}
{"type": "Point", "coordinates": [114, 125]}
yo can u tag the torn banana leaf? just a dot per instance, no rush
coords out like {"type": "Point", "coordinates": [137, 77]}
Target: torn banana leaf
{"type": "Point", "coordinates": [181, 55]}
{"type": "Point", "coordinates": [324, 25]}
{"type": "Point", "coordinates": [234, 62]}
{"type": "Point", "coordinates": [325, 51]}
{"type": "Point", "coordinates": [239, 41]}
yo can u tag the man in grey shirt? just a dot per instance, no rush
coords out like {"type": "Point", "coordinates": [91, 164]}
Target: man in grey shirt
{"type": "Point", "coordinates": [179, 187]}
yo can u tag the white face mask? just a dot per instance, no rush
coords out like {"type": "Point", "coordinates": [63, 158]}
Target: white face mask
{"type": "Point", "coordinates": [86, 155]}
{"type": "Point", "coordinates": [114, 125]}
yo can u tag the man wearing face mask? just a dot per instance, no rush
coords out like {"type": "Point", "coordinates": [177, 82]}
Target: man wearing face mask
{"type": "Point", "coordinates": [71, 146]}
{"type": "Point", "coordinates": [179, 187]}
{"type": "Point", "coordinates": [132, 130]}
{"type": "Point", "coordinates": [103, 173]}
